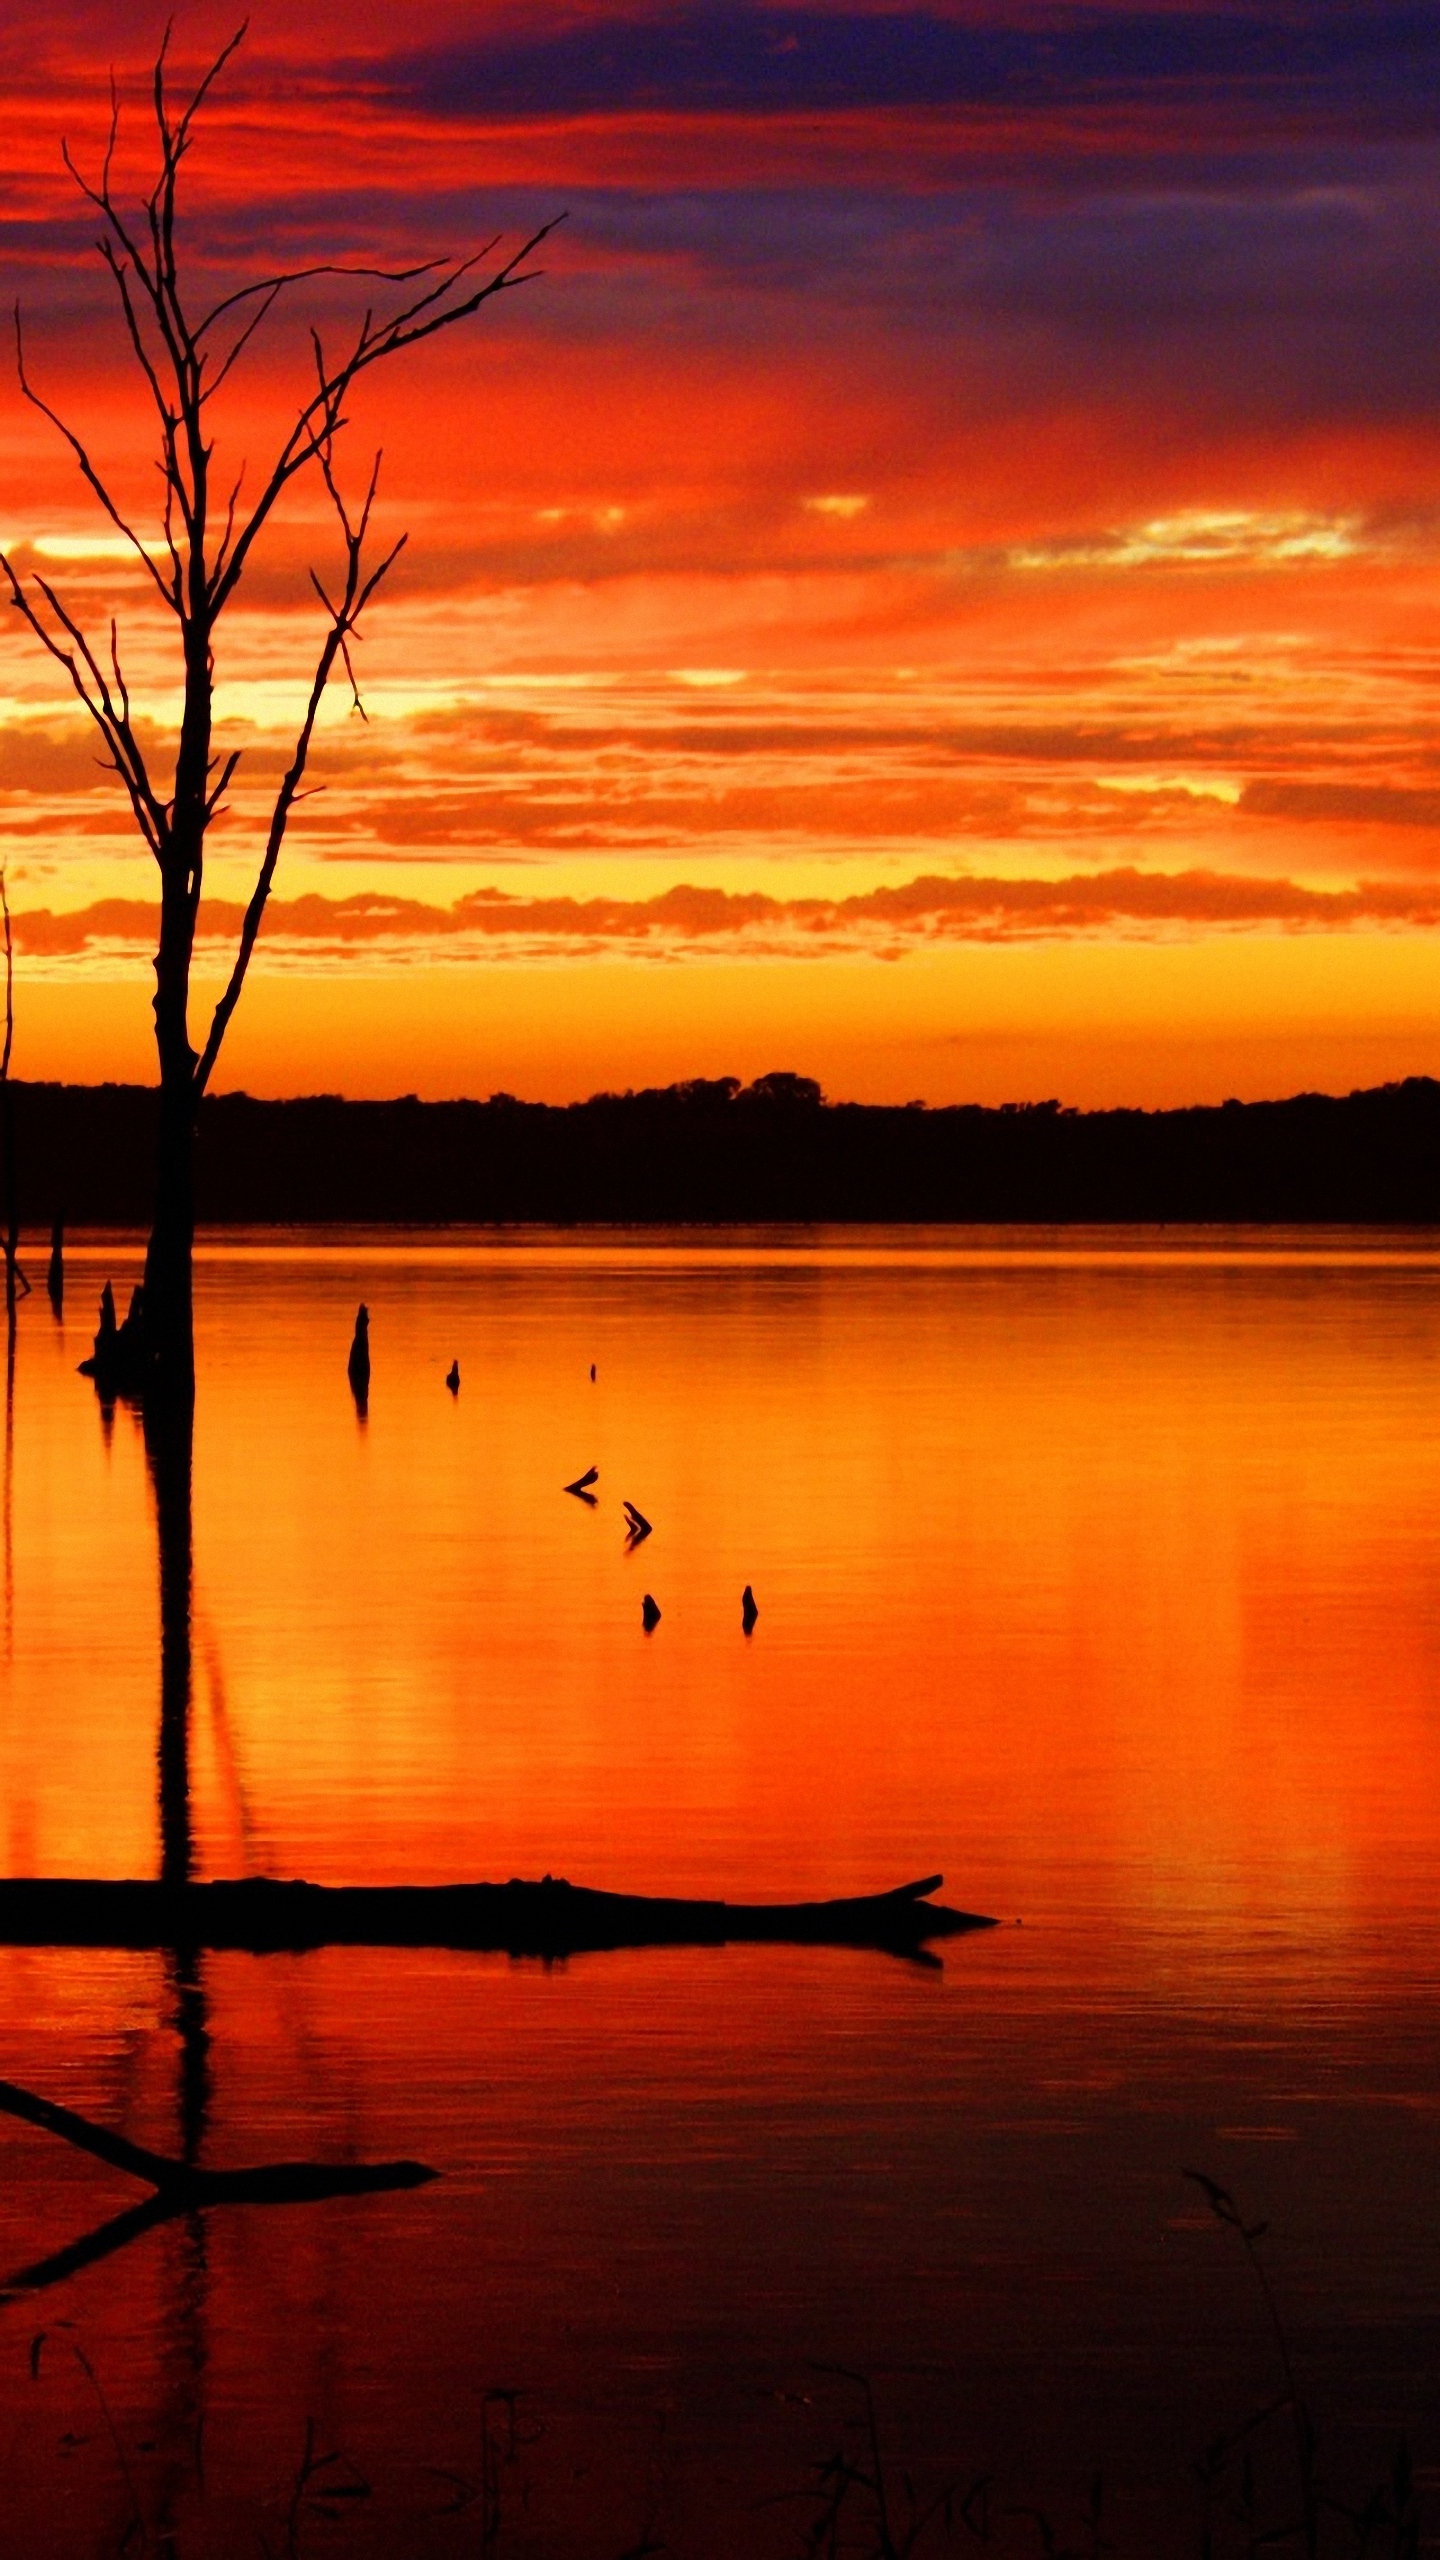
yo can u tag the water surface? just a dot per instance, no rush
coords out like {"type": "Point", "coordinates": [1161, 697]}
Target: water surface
{"type": "Point", "coordinates": [1102, 1573]}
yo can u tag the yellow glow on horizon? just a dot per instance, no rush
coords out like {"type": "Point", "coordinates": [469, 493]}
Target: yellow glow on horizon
{"type": "Point", "coordinates": [1096, 1023]}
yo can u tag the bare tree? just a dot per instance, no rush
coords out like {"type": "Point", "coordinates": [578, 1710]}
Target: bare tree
{"type": "Point", "coordinates": [206, 542]}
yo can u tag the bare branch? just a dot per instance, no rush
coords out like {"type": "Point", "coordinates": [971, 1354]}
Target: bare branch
{"type": "Point", "coordinates": [101, 197]}
{"type": "Point", "coordinates": [373, 581]}
{"type": "Point", "coordinates": [457, 270]}
{"type": "Point", "coordinates": [242, 342]}
{"type": "Point", "coordinates": [320, 419]}
{"type": "Point", "coordinates": [111, 138]}
{"type": "Point", "coordinates": [259, 896]}
{"type": "Point", "coordinates": [357, 591]}
{"type": "Point", "coordinates": [228, 535]}
{"type": "Point", "coordinates": [227, 776]}
{"type": "Point", "coordinates": [88, 471]}
{"type": "Point", "coordinates": [304, 275]}
{"type": "Point", "coordinates": [121, 687]}
{"type": "Point", "coordinates": [119, 270]}
{"type": "Point", "coordinates": [355, 702]}
{"type": "Point", "coordinates": [182, 130]}
{"type": "Point", "coordinates": [169, 475]}
{"type": "Point", "coordinates": [92, 690]}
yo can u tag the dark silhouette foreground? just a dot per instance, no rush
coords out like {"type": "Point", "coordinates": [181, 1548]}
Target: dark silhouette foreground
{"type": "Point", "coordinates": [711, 1153]}
{"type": "Point", "coordinates": [551, 1918]}
{"type": "Point", "coordinates": [179, 2187]}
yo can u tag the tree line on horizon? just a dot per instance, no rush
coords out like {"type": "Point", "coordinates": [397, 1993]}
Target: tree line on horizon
{"type": "Point", "coordinates": [711, 1150]}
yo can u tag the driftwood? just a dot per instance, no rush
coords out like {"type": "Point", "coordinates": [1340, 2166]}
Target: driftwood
{"type": "Point", "coordinates": [551, 1918]}
{"type": "Point", "coordinates": [179, 2188]}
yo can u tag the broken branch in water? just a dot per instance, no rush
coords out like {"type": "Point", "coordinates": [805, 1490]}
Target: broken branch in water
{"type": "Point", "coordinates": [180, 2188]}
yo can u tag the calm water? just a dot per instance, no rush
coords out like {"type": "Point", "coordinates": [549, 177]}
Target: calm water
{"type": "Point", "coordinates": [1107, 1580]}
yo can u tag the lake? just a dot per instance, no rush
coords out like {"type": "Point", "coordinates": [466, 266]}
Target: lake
{"type": "Point", "coordinates": [1099, 1571]}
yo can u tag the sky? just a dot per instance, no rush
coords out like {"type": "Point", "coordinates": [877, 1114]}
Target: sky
{"type": "Point", "coordinates": [933, 587]}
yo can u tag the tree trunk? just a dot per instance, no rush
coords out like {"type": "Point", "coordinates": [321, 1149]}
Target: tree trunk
{"type": "Point", "coordinates": [12, 1212]}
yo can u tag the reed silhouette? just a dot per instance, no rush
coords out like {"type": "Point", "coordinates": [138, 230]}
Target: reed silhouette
{"type": "Point", "coordinates": [1307, 2514]}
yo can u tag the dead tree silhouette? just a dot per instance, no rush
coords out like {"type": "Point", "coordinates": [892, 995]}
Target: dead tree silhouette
{"type": "Point", "coordinates": [206, 541]}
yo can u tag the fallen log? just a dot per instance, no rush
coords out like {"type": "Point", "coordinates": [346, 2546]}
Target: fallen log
{"type": "Point", "coordinates": [262, 1915]}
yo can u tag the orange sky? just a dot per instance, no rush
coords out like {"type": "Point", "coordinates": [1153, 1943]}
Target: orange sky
{"type": "Point", "coordinates": [934, 588]}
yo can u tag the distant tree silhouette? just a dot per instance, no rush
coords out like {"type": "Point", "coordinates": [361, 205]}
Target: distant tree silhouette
{"type": "Point", "coordinates": [205, 545]}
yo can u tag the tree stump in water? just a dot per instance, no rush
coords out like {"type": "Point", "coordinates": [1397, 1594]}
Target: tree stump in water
{"type": "Point", "coordinates": [118, 1362]}
{"type": "Point", "coordinates": [357, 1367]}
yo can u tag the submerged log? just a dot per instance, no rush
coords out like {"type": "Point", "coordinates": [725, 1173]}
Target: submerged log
{"type": "Point", "coordinates": [552, 1918]}
{"type": "Point", "coordinates": [181, 2186]}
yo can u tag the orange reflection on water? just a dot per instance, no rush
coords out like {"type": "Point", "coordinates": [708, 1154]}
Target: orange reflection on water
{"type": "Point", "coordinates": [1101, 1575]}
{"type": "Point", "coordinates": [1082, 1574]}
